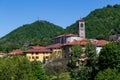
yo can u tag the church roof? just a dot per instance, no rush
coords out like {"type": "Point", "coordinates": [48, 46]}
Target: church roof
{"type": "Point", "coordinates": [58, 45]}
{"type": "Point", "coordinates": [67, 35]}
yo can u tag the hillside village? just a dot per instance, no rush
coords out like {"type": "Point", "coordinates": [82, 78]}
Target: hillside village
{"type": "Point", "coordinates": [88, 49]}
{"type": "Point", "coordinates": [60, 47]}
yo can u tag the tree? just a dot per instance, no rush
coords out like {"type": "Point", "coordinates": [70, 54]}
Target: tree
{"type": "Point", "coordinates": [110, 56]}
{"type": "Point", "coordinates": [38, 71]}
{"type": "Point", "coordinates": [108, 74]}
{"type": "Point", "coordinates": [75, 55]}
{"type": "Point", "coordinates": [36, 33]}
{"type": "Point", "coordinates": [81, 73]}
{"type": "Point", "coordinates": [91, 55]}
{"type": "Point", "coordinates": [99, 22]}
{"type": "Point", "coordinates": [77, 72]}
{"type": "Point", "coordinates": [20, 68]}
{"type": "Point", "coordinates": [15, 68]}
{"type": "Point", "coordinates": [56, 68]}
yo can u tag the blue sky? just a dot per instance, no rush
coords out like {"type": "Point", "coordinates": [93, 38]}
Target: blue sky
{"type": "Point", "coordinates": [15, 13]}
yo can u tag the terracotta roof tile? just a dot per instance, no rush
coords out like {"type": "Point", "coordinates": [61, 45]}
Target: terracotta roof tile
{"type": "Point", "coordinates": [67, 35]}
{"type": "Point", "coordinates": [101, 42]}
{"type": "Point", "coordinates": [58, 45]}
{"type": "Point", "coordinates": [39, 50]}
{"type": "Point", "coordinates": [83, 42]}
{"type": "Point", "coordinates": [17, 51]}
{"type": "Point", "coordinates": [1, 53]}
{"type": "Point", "coordinates": [38, 47]}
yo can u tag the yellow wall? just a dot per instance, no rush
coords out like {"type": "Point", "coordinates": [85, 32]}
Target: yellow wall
{"type": "Point", "coordinates": [38, 56]}
{"type": "Point", "coordinates": [58, 52]}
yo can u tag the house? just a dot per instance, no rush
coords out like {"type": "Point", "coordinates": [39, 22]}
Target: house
{"type": "Point", "coordinates": [57, 51]}
{"type": "Point", "coordinates": [114, 37]}
{"type": "Point", "coordinates": [41, 53]}
{"type": "Point", "coordinates": [2, 55]}
{"type": "Point", "coordinates": [16, 52]}
{"type": "Point", "coordinates": [38, 53]}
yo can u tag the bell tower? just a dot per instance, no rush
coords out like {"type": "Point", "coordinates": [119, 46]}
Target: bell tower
{"type": "Point", "coordinates": [81, 28]}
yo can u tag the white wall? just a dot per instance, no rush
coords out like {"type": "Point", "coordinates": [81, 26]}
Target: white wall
{"type": "Point", "coordinates": [70, 39]}
{"type": "Point", "coordinates": [98, 49]}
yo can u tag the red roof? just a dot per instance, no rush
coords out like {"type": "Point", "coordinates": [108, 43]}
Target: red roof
{"type": "Point", "coordinates": [101, 42]}
{"type": "Point", "coordinates": [1, 53]}
{"type": "Point", "coordinates": [58, 45]}
{"type": "Point", "coordinates": [80, 42]}
{"type": "Point", "coordinates": [67, 35]}
{"type": "Point", "coordinates": [37, 47]}
{"type": "Point", "coordinates": [16, 52]}
{"type": "Point", "coordinates": [39, 50]}
{"type": "Point", "coordinates": [83, 42]}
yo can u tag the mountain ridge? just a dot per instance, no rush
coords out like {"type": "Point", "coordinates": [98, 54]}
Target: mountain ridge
{"type": "Point", "coordinates": [100, 24]}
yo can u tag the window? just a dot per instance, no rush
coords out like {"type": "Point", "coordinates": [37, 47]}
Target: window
{"type": "Point", "coordinates": [37, 57]}
{"type": "Point", "coordinates": [46, 57]}
{"type": "Point", "coordinates": [81, 24]}
{"type": "Point", "coordinates": [33, 57]}
{"type": "Point", "coordinates": [29, 57]}
{"type": "Point", "coordinates": [36, 53]}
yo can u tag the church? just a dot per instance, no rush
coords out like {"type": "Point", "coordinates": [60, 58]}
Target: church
{"type": "Point", "coordinates": [66, 38]}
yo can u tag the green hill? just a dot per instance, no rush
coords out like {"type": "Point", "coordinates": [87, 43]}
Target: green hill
{"type": "Point", "coordinates": [37, 33]}
{"type": "Point", "coordinates": [101, 23]}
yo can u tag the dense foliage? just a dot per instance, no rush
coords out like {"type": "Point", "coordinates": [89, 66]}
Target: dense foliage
{"type": "Point", "coordinates": [56, 68]}
{"type": "Point", "coordinates": [37, 33]}
{"type": "Point", "coordinates": [83, 69]}
{"type": "Point", "coordinates": [110, 56]}
{"type": "Point", "coordinates": [100, 23]}
{"type": "Point", "coordinates": [108, 74]}
{"type": "Point", "coordinates": [19, 68]}
{"type": "Point", "coordinates": [75, 55]}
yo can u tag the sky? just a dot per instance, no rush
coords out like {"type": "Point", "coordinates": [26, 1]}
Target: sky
{"type": "Point", "coordinates": [15, 13]}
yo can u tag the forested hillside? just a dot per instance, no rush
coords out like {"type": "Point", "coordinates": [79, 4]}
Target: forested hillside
{"type": "Point", "coordinates": [37, 33]}
{"type": "Point", "coordinates": [101, 23]}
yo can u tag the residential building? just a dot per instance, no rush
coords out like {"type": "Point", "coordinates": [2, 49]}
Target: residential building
{"type": "Point", "coordinates": [16, 52]}
{"type": "Point", "coordinates": [114, 37]}
{"type": "Point", "coordinates": [38, 53]}
{"type": "Point", "coordinates": [2, 55]}
{"type": "Point", "coordinates": [57, 51]}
